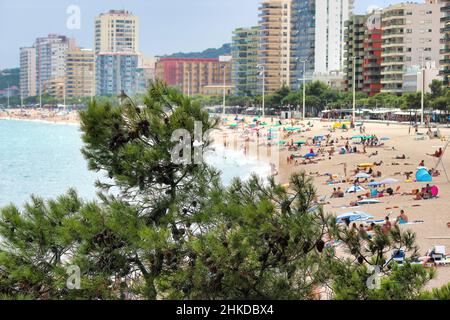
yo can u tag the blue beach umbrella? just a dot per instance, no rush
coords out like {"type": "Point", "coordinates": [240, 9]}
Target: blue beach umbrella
{"type": "Point", "coordinates": [354, 189]}
{"type": "Point", "coordinates": [310, 155]}
{"type": "Point", "coordinates": [354, 216]}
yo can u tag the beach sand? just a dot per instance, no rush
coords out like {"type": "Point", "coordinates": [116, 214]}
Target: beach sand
{"type": "Point", "coordinates": [435, 212]}
{"type": "Point", "coordinates": [70, 117]}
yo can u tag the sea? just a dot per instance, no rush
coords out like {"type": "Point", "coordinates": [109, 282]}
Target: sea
{"type": "Point", "coordinates": [44, 159]}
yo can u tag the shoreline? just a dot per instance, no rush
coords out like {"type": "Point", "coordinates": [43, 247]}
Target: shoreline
{"type": "Point", "coordinates": [58, 122]}
{"type": "Point", "coordinates": [35, 115]}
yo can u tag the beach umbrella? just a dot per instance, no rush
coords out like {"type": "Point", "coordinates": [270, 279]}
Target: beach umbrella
{"type": "Point", "coordinates": [310, 155]}
{"type": "Point", "coordinates": [355, 189]}
{"type": "Point", "coordinates": [282, 142]}
{"type": "Point", "coordinates": [358, 137]}
{"type": "Point", "coordinates": [368, 201]}
{"type": "Point", "coordinates": [300, 142]}
{"type": "Point", "coordinates": [363, 175]}
{"type": "Point", "coordinates": [373, 184]}
{"type": "Point", "coordinates": [389, 181]}
{"type": "Point", "coordinates": [354, 216]}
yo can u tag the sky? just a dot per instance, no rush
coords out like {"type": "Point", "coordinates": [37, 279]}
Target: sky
{"type": "Point", "coordinates": [167, 26]}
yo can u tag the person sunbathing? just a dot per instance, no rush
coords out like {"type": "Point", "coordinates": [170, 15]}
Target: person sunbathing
{"type": "Point", "coordinates": [402, 157]}
{"type": "Point", "coordinates": [373, 154]}
{"type": "Point", "coordinates": [402, 218]}
{"type": "Point", "coordinates": [437, 154]}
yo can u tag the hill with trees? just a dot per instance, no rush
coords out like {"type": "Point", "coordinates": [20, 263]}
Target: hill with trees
{"type": "Point", "coordinates": [208, 53]}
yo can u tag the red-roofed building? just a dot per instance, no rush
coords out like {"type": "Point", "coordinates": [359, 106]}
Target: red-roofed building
{"type": "Point", "coordinates": [194, 75]}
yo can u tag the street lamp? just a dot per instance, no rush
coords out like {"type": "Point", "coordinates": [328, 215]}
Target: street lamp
{"type": "Point", "coordinates": [422, 101]}
{"type": "Point", "coordinates": [224, 87]}
{"type": "Point", "coordinates": [304, 89]}
{"type": "Point", "coordinates": [261, 67]}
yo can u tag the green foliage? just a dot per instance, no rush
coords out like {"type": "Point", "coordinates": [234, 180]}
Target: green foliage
{"type": "Point", "coordinates": [442, 293]}
{"type": "Point", "coordinates": [208, 53]}
{"type": "Point", "coordinates": [9, 77]}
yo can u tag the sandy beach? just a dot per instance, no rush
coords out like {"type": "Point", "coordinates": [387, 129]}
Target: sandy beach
{"type": "Point", "coordinates": [69, 117]}
{"type": "Point", "coordinates": [397, 140]}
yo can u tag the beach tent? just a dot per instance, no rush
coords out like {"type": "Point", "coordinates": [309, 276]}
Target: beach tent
{"type": "Point", "coordinates": [354, 189]}
{"type": "Point", "coordinates": [422, 175]}
{"type": "Point", "coordinates": [354, 216]}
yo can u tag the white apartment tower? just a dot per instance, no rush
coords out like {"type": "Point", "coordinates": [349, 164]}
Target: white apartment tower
{"type": "Point", "coordinates": [51, 58]}
{"type": "Point", "coordinates": [27, 72]}
{"type": "Point", "coordinates": [411, 38]}
{"type": "Point", "coordinates": [116, 31]}
{"type": "Point", "coordinates": [318, 28]}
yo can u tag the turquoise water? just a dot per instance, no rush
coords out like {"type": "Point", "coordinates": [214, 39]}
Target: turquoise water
{"type": "Point", "coordinates": [44, 159]}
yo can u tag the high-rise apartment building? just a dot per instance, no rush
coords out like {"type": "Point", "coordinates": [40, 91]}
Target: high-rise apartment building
{"type": "Point", "coordinates": [116, 31]}
{"type": "Point", "coordinates": [274, 48]}
{"type": "Point", "coordinates": [318, 37]}
{"type": "Point", "coordinates": [51, 58]}
{"type": "Point", "coordinates": [27, 72]}
{"type": "Point", "coordinates": [244, 50]}
{"type": "Point", "coordinates": [445, 51]}
{"type": "Point", "coordinates": [354, 52]}
{"type": "Point", "coordinates": [116, 72]}
{"type": "Point", "coordinates": [410, 38]}
{"type": "Point", "coordinates": [274, 52]}
{"type": "Point", "coordinates": [195, 76]}
{"type": "Point", "coordinates": [372, 54]}
{"type": "Point", "coordinates": [80, 73]}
